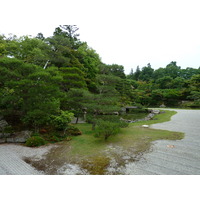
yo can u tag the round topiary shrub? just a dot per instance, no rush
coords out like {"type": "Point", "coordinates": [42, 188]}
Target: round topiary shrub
{"type": "Point", "coordinates": [35, 141]}
{"type": "Point", "coordinates": [74, 131]}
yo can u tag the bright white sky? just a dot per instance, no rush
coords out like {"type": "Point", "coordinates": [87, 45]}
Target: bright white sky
{"type": "Point", "coordinates": [125, 32]}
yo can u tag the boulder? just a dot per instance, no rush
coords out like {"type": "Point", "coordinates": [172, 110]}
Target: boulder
{"type": "Point", "coordinates": [3, 124]}
{"type": "Point", "coordinates": [162, 106]}
{"type": "Point", "coordinates": [19, 137]}
{"type": "Point", "coordinates": [22, 136]}
{"type": "Point", "coordinates": [155, 111]}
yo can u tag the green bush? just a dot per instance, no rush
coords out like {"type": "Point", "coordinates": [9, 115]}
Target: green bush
{"type": "Point", "coordinates": [106, 129]}
{"type": "Point", "coordinates": [35, 134]}
{"type": "Point", "coordinates": [74, 131]}
{"type": "Point", "coordinates": [60, 122]}
{"type": "Point", "coordinates": [35, 141]}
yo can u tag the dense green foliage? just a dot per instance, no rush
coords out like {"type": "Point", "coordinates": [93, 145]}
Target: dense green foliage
{"type": "Point", "coordinates": [44, 82]}
{"type": "Point", "coordinates": [35, 141]}
{"type": "Point", "coordinates": [170, 86]}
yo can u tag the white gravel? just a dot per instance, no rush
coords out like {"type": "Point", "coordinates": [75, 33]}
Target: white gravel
{"type": "Point", "coordinates": [11, 159]}
{"type": "Point", "coordinates": [69, 169]}
{"type": "Point", "coordinates": [181, 157]}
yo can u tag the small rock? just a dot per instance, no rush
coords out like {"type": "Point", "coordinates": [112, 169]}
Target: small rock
{"type": "Point", "coordinates": [145, 126]}
{"type": "Point", "coordinates": [162, 106]}
{"type": "Point", "coordinates": [155, 111]}
{"type": "Point", "coordinates": [170, 146]}
{"type": "Point", "coordinates": [126, 157]}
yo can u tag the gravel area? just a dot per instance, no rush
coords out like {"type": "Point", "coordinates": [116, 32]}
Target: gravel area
{"type": "Point", "coordinates": [12, 159]}
{"type": "Point", "coordinates": [181, 157]}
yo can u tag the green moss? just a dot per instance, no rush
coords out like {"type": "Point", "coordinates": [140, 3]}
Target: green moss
{"type": "Point", "coordinates": [96, 165]}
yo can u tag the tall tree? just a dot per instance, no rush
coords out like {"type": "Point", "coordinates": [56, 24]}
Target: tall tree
{"type": "Point", "coordinates": [70, 32]}
{"type": "Point", "coordinates": [90, 60]}
{"type": "Point", "coordinates": [107, 98]}
{"type": "Point", "coordinates": [3, 45]}
{"type": "Point", "coordinates": [29, 91]}
{"type": "Point", "coordinates": [194, 87]}
{"type": "Point", "coordinates": [131, 74]}
{"type": "Point", "coordinates": [29, 50]}
{"type": "Point", "coordinates": [117, 70]}
{"type": "Point", "coordinates": [137, 73]}
{"type": "Point", "coordinates": [172, 70]}
{"type": "Point", "coordinates": [146, 73]}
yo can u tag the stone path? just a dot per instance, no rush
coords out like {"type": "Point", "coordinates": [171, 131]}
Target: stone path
{"type": "Point", "coordinates": [181, 157]}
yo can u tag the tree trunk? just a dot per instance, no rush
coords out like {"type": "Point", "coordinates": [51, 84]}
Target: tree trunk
{"type": "Point", "coordinates": [93, 126]}
{"type": "Point", "coordinates": [94, 122]}
{"type": "Point", "coordinates": [106, 137]}
{"type": "Point", "coordinates": [77, 120]}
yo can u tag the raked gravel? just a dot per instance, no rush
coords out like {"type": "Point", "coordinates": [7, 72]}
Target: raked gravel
{"type": "Point", "coordinates": [168, 157]}
{"type": "Point", "coordinates": [11, 159]}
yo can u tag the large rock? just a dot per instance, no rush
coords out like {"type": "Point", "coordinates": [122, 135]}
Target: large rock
{"type": "Point", "coordinates": [18, 137]}
{"type": "Point", "coordinates": [3, 124]}
{"type": "Point", "coordinates": [10, 140]}
{"type": "Point", "coordinates": [23, 136]}
{"type": "Point", "coordinates": [162, 106]}
{"type": "Point", "coordinates": [155, 111]}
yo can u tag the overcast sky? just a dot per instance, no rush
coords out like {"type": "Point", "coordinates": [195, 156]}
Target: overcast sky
{"type": "Point", "coordinates": [125, 32]}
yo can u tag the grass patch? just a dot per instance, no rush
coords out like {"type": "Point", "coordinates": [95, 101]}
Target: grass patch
{"type": "Point", "coordinates": [164, 117]}
{"type": "Point", "coordinates": [94, 154]}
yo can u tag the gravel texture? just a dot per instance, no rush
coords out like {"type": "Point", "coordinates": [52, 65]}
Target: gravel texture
{"type": "Point", "coordinates": [12, 159]}
{"type": "Point", "coordinates": [181, 157]}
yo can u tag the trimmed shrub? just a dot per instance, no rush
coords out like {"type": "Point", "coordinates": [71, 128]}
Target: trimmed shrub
{"type": "Point", "coordinates": [74, 131]}
{"type": "Point", "coordinates": [61, 121]}
{"type": "Point", "coordinates": [35, 141]}
{"type": "Point", "coordinates": [106, 129]}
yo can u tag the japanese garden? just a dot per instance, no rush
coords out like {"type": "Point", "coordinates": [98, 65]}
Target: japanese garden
{"type": "Point", "coordinates": [57, 91]}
